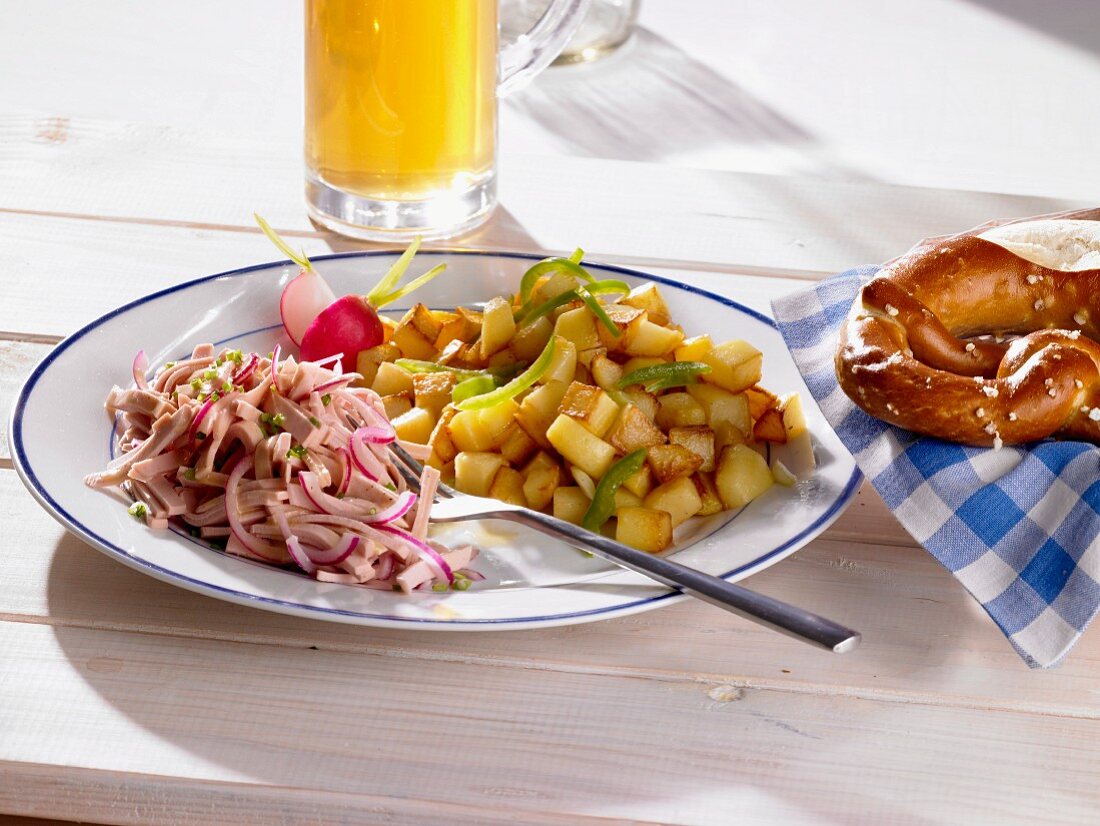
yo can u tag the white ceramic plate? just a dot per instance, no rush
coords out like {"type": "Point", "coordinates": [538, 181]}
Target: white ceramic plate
{"type": "Point", "coordinates": [60, 433]}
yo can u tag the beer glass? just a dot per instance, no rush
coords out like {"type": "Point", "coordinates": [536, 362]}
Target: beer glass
{"type": "Point", "coordinates": [401, 110]}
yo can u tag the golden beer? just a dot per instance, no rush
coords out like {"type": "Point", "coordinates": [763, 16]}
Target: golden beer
{"type": "Point", "coordinates": [401, 94]}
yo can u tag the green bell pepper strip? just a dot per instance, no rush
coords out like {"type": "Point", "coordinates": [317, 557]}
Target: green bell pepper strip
{"type": "Point", "coordinates": [603, 503]}
{"type": "Point", "coordinates": [587, 295]}
{"type": "Point", "coordinates": [418, 366]}
{"type": "Point", "coordinates": [549, 265]}
{"type": "Point", "coordinates": [516, 386]}
{"type": "Point", "coordinates": [662, 376]}
{"type": "Point", "coordinates": [473, 386]}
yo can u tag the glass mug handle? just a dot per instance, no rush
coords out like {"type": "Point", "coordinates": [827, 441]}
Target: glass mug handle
{"type": "Point", "coordinates": [534, 51]}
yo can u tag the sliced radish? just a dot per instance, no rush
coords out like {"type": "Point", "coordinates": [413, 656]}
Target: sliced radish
{"type": "Point", "coordinates": [347, 325]}
{"type": "Point", "coordinates": [304, 298]}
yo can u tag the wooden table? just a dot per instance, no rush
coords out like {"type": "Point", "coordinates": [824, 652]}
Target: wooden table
{"type": "Point", "coordinates": [749, 148]}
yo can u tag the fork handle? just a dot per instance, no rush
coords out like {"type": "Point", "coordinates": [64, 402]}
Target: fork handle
{"type": "Point", "coordinates": [768, 611]}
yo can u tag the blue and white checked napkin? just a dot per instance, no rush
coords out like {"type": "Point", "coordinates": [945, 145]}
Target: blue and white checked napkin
{"type": "Point", "coordinates": [1017, 526]}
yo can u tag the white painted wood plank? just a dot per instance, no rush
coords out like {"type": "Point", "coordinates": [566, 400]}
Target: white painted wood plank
{"type": "Point", "coordinates": [925, 639]}
{"type": "Point", "coordinates": [61, 273]}
{"type": "Point", "coordinates": [636, 210]}
{"type": "Point", "coordinates": [909, 93]}
{"type": "Point", "coordinates": [700, 753]}
{"type": "Point", "coordinates": [16, 360]}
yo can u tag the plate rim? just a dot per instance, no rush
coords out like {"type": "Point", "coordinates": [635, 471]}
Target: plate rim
{"type": "Point", "coordinates": [30, 480]}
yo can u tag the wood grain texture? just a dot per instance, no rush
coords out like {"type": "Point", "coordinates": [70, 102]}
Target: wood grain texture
{"type": "Point", "coordinates": [17, 359]}
{"type": "Point", "coordinates": [925, 640]}
{"type": "Point", "coordinates": [529, 739]}
{"type": "Point", "coordinates": [213, 179]}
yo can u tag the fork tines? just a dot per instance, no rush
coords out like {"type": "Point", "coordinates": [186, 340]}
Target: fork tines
{"type": "Point", "coordinates": [411, 470]}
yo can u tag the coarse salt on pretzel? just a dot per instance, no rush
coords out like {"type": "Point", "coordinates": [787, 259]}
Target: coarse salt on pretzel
{"type": "Point", "coordinates": [985, 338]}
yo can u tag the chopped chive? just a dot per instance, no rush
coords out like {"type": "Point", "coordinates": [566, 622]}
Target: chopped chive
{"type": "Point", "coordinates": [326, 399]}
{"type": "Point", "coordinates": [196, 385]}
{"type": "Point", "coordinates": [297, 451]}
{"type": "Point", "coordinates": [440, 588]}
{"type": "Point", "coordinates": [189, 474]}
{"type": "Point", "coordinates": [313, 420]}
{"type": "Point", "coordinates": [138, 510]}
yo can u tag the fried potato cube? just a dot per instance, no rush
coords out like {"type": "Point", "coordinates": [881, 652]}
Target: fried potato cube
{"type": "Point", "coordinates": [579, 327]}
{"type": "Point", "coordinates": [627, 320]}
{"type": "Point", "coordinates": [414, 425]}
{"type": "Point", "coordinates": [794, 419]}
{"type": "Point", "coordinates": [497, 326]}
{"type": "Point", "coordinates": [443, 447]}
{"type": "Point", "coordinates": [625, 498]}
{"type": "Point", "coordinates": [560, 282]}
{"type": "Point", "coordinates": [699, 439]}
{"type": "Point", "coordinates": [722, 406]}
{"type": "Point", "coordinates": [672, 461]}
{"type": "Point", "coordinates": [640, 483]}
{"type": "Point", "coordinates": [570, 504]}
{"type": "Point", "coordinates": [475, 471]}
{"type": "Point", "coordinates": [605, 372]}
{"type": "Point", "coordinates": [651, 339]}
{"type": "Point", "coordinates": [564, 364]}
{"type": "Point", "coordinates": [590, 406]}
{"type": "Point", "coordinates": [516, 446]}
{"type": "Point", "coordinates": [678, 497]}
{"type": "Point", "coordinates": [432, 391]}
{"type": "Point", "coordinates": [397, 404]}
{"type": "Point", "coordinates": [760, 400]}
{"type": "Point", "coordinates": [679, 410]}
{"type": "Point", "coordinates": [693, 349]}
{"type": "Point", "coordinates": [644, 528]}
{"type": "Point", "coordinates": [586, 357]}
{"type": "Point", "coordinates": [638, 362]}
{"type": "Point", "coordinates": [734, 365]}
{"type": "Point", "coordinates": [508, 487]}
{"type": "Point", "coordinates": [538, 409]}
{"type": "Point", "coordinates": [503, 359]}
{"type": "Point", "coordinates": [392, 379]}
{"type": "Point", "coordinates": [368, 361]}
{"type": "Point", "coordinates": [580, 447]}
{"type": "Point", "coordinates": [389, 326]}
{"type": "Point", "coordinates": [482, 430]}
{"type": "Point", "coordinates": [531, 339]}
{"type": "Point", "coordinates": [742, 476]}
{"type": "Point", "coordinates": [540, 460]}
{"type": "Point", "coordinates": [648, 297]}
{"type": "Point", "coordinates": [540, 484]}
{"type": "Point", "coordinates": [634, 430]}
{"type": "Point", "coordinates": [413, 344]}
{"type": "Point", "coordinates": [425, 321]}
{"type": "Point", "coordinates": [464, 327]}
{"type": "Point", "coordinates": [727, 433]}
{"type": "Point", "coordinates": [708, 494]}
{"type": "Point", "coordinates": [770, 428]}
{"type": "Point", "coordinates": [643, 400]}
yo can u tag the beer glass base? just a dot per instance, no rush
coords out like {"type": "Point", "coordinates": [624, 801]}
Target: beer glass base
{"type": "Point", "coordinates": [444, 216]}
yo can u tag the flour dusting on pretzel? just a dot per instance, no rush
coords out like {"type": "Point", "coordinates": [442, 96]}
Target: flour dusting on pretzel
{"type": "Point", "coordinates": [985, 338]}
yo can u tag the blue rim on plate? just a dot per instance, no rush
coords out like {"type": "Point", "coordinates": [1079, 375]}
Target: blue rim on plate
{"type": "Point", "coordinates": [74, 525]}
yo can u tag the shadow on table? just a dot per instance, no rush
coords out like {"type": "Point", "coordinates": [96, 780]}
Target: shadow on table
{"type": "Point", "coordinates": [651, 101]}
{"type": "Point", "coordinates": [1073, 21]}
{"type": "Point", "coordinates": [302, 703]}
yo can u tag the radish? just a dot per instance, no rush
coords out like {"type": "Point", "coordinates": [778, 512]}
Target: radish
{"type": "Point", "coordinates": [323, 325]}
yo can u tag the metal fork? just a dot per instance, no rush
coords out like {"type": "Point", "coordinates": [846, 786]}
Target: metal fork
{"type": "Point", "coordinates": [453, 506]}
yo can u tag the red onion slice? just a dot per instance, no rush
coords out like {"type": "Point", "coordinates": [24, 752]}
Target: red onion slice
{"type": "Point", "coordinates": [246, 369]}
{"type": "Point", "coordinates": [426, 552]}
{"type": "Point", "coordinates": [278, 351]}
{"type": "Point", "coordinates": [334, 360]}
{"type": "Point", "coordinates": [376, 435]}
{"type": "Point", "coordinates": [363, 457]}
{"type": "Point", "coordinates": [336, 554]}
{"type": "Point", "coordinates": [332, 384]}
{"type": "Point", "coordinates": [193, 430]}
{"type": "Point", "coordinates": [403, 505]}
{"type": "Point", "coordinates": [140, 366]}
{"type": "Point", "coordinates": [259, 547]}
{"type": "Point", "coordinates": [345, 469]}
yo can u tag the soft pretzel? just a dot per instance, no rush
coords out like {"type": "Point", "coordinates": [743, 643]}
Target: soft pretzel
{"type": "Point", "coordinates": [984, 338]}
